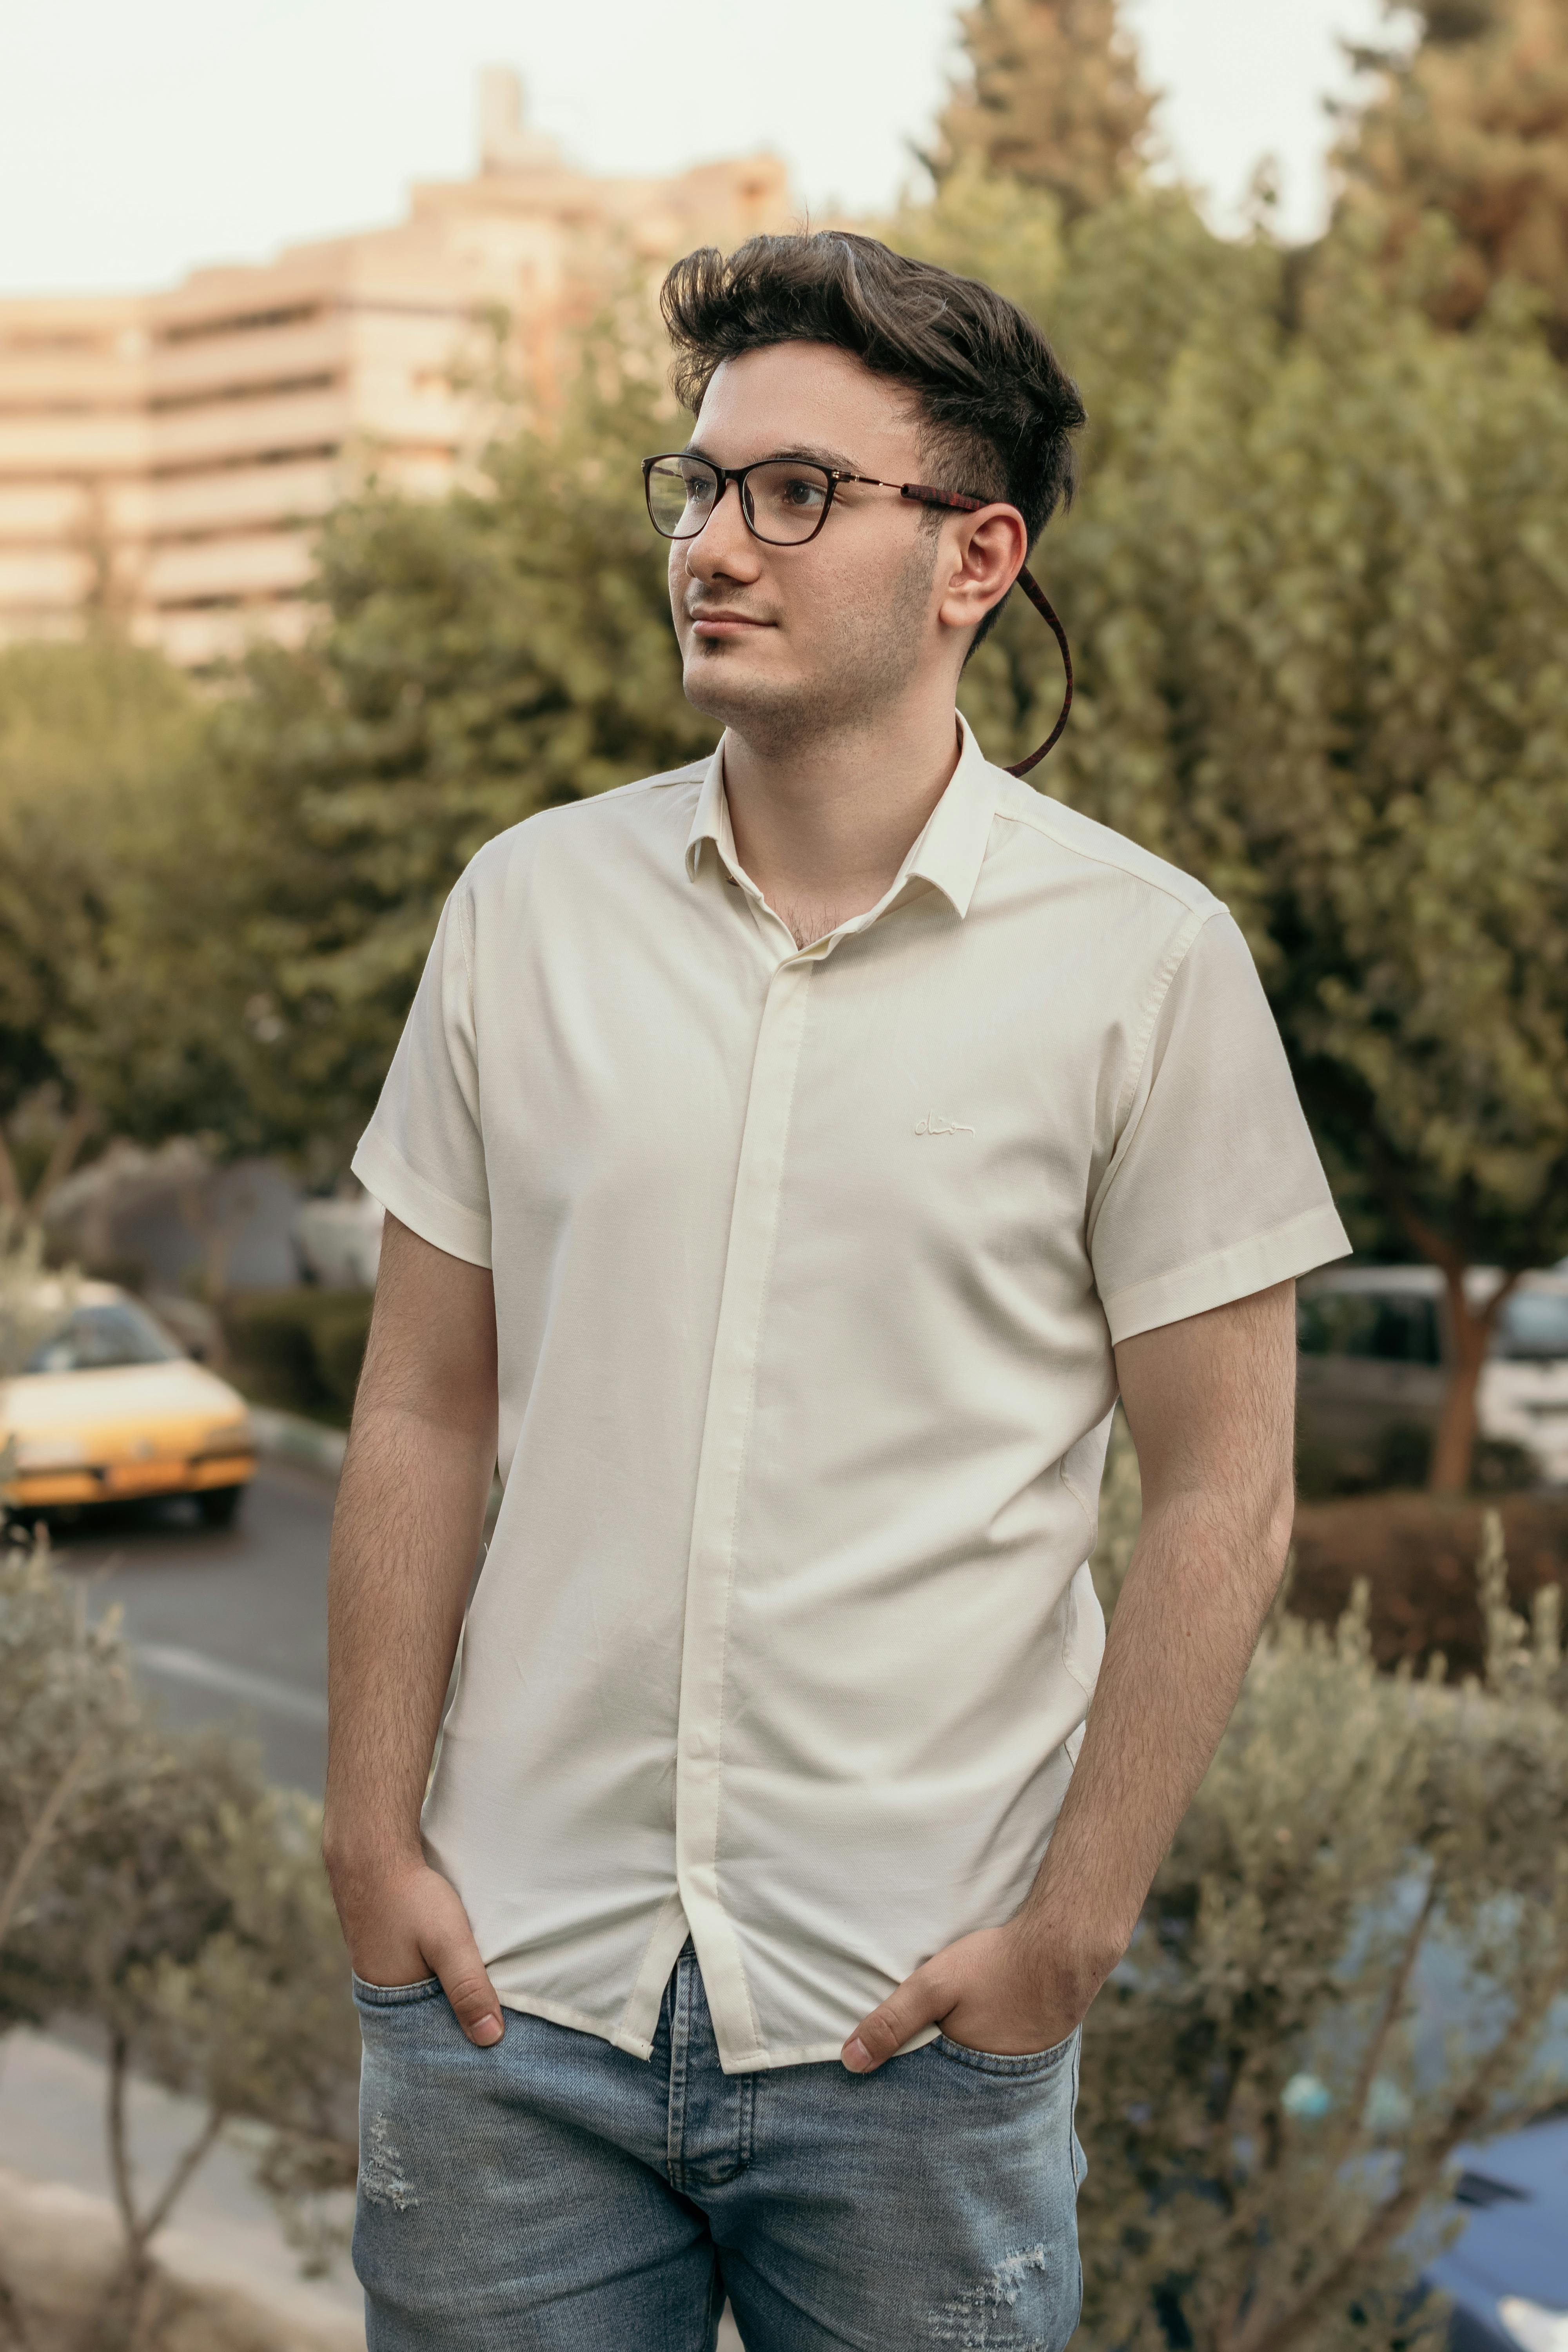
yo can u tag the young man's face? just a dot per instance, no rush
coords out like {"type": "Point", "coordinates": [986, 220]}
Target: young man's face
{"type": "Point", "coordinates": [788, 642]}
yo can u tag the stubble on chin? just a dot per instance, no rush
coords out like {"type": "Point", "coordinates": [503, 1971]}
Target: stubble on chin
{"type": "Point", "coordinates": [738, 695]}
{"type": "Point", "coordinates": [850, 675]}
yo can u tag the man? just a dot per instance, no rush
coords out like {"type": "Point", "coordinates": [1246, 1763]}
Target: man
{"type": "Point", "coordinates": [788, 1161]}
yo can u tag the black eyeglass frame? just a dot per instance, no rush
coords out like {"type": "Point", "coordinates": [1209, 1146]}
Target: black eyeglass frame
{"type": "Point", "coordinates": [920, 493]}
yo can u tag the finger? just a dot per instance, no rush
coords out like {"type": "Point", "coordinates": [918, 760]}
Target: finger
{"type": "Point", "coordinates": [919, 2000]}
{"type": "Point", "coordinates": [453, 1954]}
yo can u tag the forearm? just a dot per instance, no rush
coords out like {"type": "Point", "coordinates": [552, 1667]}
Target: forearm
{"type": "Point", "coordinates": [409, 1521]}
{"type": "Point", "coordinates": [1188, 1618]}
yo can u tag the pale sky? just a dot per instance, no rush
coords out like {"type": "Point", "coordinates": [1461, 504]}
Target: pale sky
{"type": "Point", "coordinates": [140, 137]}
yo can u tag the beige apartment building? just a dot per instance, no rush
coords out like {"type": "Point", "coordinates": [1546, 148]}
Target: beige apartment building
{"type": "Point", "coordinates": [167, 456]}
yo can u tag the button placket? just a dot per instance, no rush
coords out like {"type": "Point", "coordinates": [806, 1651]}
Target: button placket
{"type": "Point", "coordinates": [721, 1464]}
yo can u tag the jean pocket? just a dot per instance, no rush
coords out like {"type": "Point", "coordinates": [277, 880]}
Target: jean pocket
{"type": "Point", "coordinates": [1025, 2065]}
{"type": "Point", "coordinates": [375, 1996]}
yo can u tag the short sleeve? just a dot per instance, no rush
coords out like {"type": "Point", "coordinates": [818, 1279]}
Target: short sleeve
{"type": "Point", "coordinates": [1215, 1190]}
{"type": "Point", "coordinates": [423, 1154]}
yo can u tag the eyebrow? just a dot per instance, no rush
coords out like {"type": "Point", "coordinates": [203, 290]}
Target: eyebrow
{"type": "Point", "coordinates": [833, 459]}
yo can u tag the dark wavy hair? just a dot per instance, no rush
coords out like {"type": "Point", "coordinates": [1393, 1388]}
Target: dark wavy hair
{"type": "Point", "coordinates": [996, 407]}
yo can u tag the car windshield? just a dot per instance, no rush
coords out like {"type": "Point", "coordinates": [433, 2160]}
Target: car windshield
{"type": "Point", "coordinates": [1534, 1325]}
{"type": "Point", "coordinates": [96, 1339]}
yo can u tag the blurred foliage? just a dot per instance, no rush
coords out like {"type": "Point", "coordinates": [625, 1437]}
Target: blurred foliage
{"type": "Point", "coordinates": [1054, 99]}
{"type": "Point", "coordinates": [27, 1310]}
{"type": "Point", "coordinates": [94, 739]}
{"type": "Point", "coordinates": [218, 918]}
{"type": "Point", "coordinates": [484, 658]}
{"type": "Point", "coordinates": [299, 1350]}
{"type": "Point", "coordinates": [1417, 1554]}
{"type": "Point", "coordinates": [1467, 132]}
{"type": "Point", "coordinates": [156, 1887]}
{"type": "Point", "coordinates": [1318, 579]}
{"type": "Point", "coordinates": [1353, 1959]}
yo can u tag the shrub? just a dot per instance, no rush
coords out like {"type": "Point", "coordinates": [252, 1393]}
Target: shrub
{"type": "Point", "coordinates": [1417, 1554]}
{"type": "Point", "coordinates": [299, 1350]}
{"type": "Point", "coordinates": [158, 1888]}
{"type": "Point", "coordinates": [1276, 2079]}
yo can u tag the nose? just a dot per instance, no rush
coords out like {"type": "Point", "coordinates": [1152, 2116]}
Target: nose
{"type": "Point", "coordinates": [723, 548]}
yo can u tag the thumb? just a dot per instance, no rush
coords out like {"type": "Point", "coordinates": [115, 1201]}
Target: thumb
{"type": "Point", "coordinates": [919, 2000]}
{"type": "Point", "coordinates": [451, 1950]}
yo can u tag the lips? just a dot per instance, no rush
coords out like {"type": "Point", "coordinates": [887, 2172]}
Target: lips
{"type": "Point", "coordinates": [707, 619]}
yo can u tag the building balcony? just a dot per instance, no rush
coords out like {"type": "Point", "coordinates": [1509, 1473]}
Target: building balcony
{"type": "Point", "coordinates": [267, 564]}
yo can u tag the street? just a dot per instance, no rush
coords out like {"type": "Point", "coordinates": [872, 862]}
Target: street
{"type": "Point", "coordinates": [226, 1625]}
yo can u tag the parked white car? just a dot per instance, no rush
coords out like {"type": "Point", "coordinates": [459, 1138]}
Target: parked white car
{"type": "Point", "coordinates": [1377, 1351]}
{"type": "Point", "coordinates": [338, 1242]}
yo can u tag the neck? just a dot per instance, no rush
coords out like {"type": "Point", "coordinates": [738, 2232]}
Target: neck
{"type": "Point", "coordinates": [822, 825]}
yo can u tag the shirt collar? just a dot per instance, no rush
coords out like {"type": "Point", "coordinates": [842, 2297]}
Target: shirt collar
{"type": "Point", "coordinates": [948, 855]}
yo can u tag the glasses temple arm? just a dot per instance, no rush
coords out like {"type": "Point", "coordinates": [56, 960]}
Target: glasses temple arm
{"type": "Point", "coordinates": [924, 495]}
{"type": "Point", "coordinates": [1043, 605]}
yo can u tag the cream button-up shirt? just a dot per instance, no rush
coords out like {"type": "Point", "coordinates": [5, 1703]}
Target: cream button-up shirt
{"type": "Point", "coordinates": [808, 1265]}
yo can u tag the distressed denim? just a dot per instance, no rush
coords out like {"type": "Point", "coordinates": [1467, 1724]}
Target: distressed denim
{"type": "Point", "coordinates": [554, 2192]}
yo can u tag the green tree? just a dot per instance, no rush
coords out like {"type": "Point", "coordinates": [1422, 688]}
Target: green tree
{"type": "Point", "coordinates": [482, 659]}
{"type": "Point", "coordinates": [1055, 100]}
{"type": "Point", "coordinates": [1277, 2079]}
{"type": "Point", "coordinates": [1470, 129]}
{"type": "Point", "coordinates": [158, 1888]}
{"type": "Point", "coordinates": [1318, 581]}
{"type": "Point", "coordinates": [93, 738]}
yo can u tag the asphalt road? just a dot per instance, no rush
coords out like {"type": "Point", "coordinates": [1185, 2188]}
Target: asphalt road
{"type": "Point", "coordinates": [226, 1625]}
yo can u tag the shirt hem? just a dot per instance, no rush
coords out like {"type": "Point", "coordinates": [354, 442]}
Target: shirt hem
{"type": "Point", "coordinates": [748, 2062]}
{"type": "Point", "coordinates": [813, 2054]}
{"type": "Point", "coordinates": [446, 1225]}
{"type": "Point", "coordinates": [1313, 1239]}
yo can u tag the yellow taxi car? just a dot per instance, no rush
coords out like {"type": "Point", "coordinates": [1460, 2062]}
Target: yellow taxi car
{"type": "Point", "coordinates": [106, 1406]}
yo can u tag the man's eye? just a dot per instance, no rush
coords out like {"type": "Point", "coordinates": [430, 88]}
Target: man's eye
{"type": "Point", "coordinates": [801, 492]}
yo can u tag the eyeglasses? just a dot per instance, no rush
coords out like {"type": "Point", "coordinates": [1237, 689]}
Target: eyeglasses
{"type": "Point", "coordinates": [784, 502]}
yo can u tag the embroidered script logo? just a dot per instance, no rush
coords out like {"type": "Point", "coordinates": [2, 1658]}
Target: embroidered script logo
{"type": "Point", "coordinates": [932, 1125]}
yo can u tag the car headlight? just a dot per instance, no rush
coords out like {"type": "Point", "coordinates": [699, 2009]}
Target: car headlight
{"type": "Point", "coordinates": [38, 1454]}
{"type": "Point", "coordinates": [1532, 2325]}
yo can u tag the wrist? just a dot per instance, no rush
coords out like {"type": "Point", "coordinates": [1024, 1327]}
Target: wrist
{"type": "Point", "coordinates": [361, 1858]}
{"type": "Point", "coordinates": [1065, 1964]}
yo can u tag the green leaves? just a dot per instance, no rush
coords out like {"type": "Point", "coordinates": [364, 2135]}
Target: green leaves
{"type": "Point", "coordinates": [485, 657]}
{"type": "Point", "coordinates": [1353, 1957]}
{"type": "Point", "coordinates": [1318, 581]}
{"type": "Point", "coordinates": [155, 1885]}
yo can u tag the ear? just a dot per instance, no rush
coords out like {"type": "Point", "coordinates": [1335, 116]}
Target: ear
{"type": "Point", "coordinates": [983, 554]}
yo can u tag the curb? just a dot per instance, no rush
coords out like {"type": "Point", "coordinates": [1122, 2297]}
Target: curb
{"type": "Point", "coordinates": [289, 1437]}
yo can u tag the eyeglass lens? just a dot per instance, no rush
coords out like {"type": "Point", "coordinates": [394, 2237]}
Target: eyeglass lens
{"type": "Point", "coordinates": [784, 501]}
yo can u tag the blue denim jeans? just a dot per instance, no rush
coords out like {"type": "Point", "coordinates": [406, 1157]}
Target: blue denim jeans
{"type": "Point", "coordinates": [553, 2192]}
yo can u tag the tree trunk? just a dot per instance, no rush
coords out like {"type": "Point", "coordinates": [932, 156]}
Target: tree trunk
{"type": "Point", "coordinates": [1454, 1451]}
{"type": "Point", "coordinates": [127, 2314]}
{"type": "Point", "coordinates": [1454, 1448]}
{"type": "Point", "coordinates": [37, 1840]}
{"type": "Point", "coordinates": [124, 2300]}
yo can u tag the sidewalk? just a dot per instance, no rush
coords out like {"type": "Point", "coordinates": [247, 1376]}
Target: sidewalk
{"type": "Point", "coordinates": [223, 2240]}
